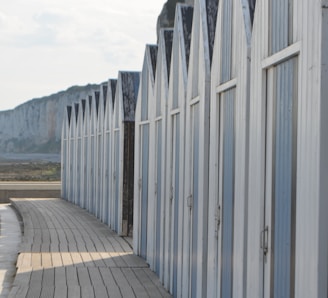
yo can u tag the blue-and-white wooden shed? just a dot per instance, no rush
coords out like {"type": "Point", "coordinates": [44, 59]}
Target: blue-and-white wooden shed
{"type": "Point", "coordinates": [197, 149]}
{"type": "Point", "coordinates": [76, 155]}
{"type": "Point", "coordinates": [108, 122]}
{"type": "Point", "coordinates": [227, 226]}
{"type": "Point", "coordinates": [65, 151]}
{"type": "Point", "coordinates": [86, 154]}
{"type": "Point", "coordinates": [81, 154]}
{"type": "Point", "coordinates": [90, 128]}
{"type": "Point", "coordinates": [156, 250]}
{"type": "Point", "coordinates": [100, 149]}
{"type": "Point", "coordinates": [123, 152]}
{"type": "Point", "coordinates": [175, 146]}
{"type": "Point", "coordinates": [287, 212]}
{"type": "Point", "coordinates": [141, 155]}
{"type": "Point", "coordinates": [72, 155]}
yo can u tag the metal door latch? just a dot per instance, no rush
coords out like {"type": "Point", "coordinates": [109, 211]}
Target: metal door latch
{"type": "Point", "coordinates": [264, 240]}
{"type": "Point", "coordinates": [189, 201]}
{"type": "Point", "coordinates": [217, 220]}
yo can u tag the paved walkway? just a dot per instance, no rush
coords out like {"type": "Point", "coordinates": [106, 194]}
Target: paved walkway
{"type": "Point", "coordinates": [66, 252]}
{"type": "Point", "coordinates": [10, 238]}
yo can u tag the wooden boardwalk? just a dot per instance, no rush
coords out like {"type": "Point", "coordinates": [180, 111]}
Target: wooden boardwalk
{"type": "Point", "coordinates": [66, 252]}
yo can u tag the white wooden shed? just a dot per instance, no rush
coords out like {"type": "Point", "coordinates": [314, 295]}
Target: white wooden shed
{"type": "Point", "coordinates": [227, 226]}
{"type": "Point", "coordinates": [72, 155]}
{"type": "Point", "coordinates": [65, 152]}
{"type": "Point", "coordinates": [287, 213]}
{"type": "Point", "coordinates": [197, 150]}
{"type": "Point", "coordinates": [76, 155]}
{"type": "Point", "coordinates": [90, 143]}
{"type": "Point", "coordinates": [82, 153]}
{"type": "Point", "coordinates": [123, 152]}
{"type": "Point", "coordinates": [86, 104]}
{"type": "Point", "coordinates": [141, 155]}
{"type": "Point", "coordinates": [156, 249]}
{"type": "Point", "coordinates": [107, 160]}
{"type": "Point", "coordinates": [175, 146]}
{"type": "Point", "coordinates": [100, 150]}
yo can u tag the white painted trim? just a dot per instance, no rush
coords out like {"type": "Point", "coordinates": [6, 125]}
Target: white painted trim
{"type": "Point", "coordinates": [226, 86]}
{"type": "Point", "coordinates": [194, 100]}
{"type": "Point", "coordinates": [281, 56]}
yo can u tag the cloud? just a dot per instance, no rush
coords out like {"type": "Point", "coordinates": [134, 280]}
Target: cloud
{"type": "Point", "coordinates": [48, 46]}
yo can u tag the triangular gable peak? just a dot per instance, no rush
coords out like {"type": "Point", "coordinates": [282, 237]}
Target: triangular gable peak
{"type": "Point", "coordinates": [147, 83]}
{"type": "Point", "coordinates": [211, 16]}
{"type": "Point", "coordinates": [93, 111]}
{"type": "Point", "coordinates": [130, 87]}
{"type": "Point", "coordinates": [76, 106]}
{"type": "Point", "coordinates": [184, 16]}
{"type": "Point", "coordinates": [104, 93]}
{"type": "Point", "coordinates": [72, 122]}
{"type": "Point", "coordinates": [80, 117]}
{"type": "Point", "coordinates": [182, 36]}
{"type": "Point", "coordinates": [111, 89]}
{"type": "Point", "coordinates": [66, 121]}
{"type": "Point", "coordinates": [97, 100]}
{"type": "Point", "coordinates": [113, 84]}
{"type": "Point", "coordinates": [180, 55]}
{"type": "Point", "coordinates": [86, 119]}
{"type": "Point", "coordinates": [251, 5]}
{"type": "Point", "coordinates": [101, 105]}
{"type": "Point", "coordinates": [163, 68]}
{"type": "Point", "coordinates": [153, 50]}
{"type": "Point", "coordinates": [168, 41]}
{"type": "Point", "coordinates": [202, 43]}
{"type": "Point", "coordinates": [83, 105]}
{"type": "Point", "coordinates": [69, 114]}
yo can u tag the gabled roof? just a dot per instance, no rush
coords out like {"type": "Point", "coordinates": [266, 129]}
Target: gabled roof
{"type": "Point", "coordinates": [153, 49]}
{"type": "Point", "coordinates": [184, 14]}
{"type": "Point", "coordinates": [113, 83]}
{"type": "Point", "coordinates": [168, 41]}
{"type": "Point", "coordinates": [211, 14]}
{"type": "Point", "coordinates": [130, 87]}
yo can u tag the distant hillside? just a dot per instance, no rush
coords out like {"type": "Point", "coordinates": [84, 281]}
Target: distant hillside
{"type": "Point", "coordinates": [35, 126]}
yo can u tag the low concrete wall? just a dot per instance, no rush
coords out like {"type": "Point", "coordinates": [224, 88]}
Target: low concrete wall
{"type": "Point", "coordinates": [29, 190]}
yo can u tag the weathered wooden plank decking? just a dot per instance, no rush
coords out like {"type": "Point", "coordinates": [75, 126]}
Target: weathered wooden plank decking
{"type": "Point", "coordinates": [66, 252]}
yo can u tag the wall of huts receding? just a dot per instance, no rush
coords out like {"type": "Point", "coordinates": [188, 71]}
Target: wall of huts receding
{"type": "Point", "coordinates": [214, 157]}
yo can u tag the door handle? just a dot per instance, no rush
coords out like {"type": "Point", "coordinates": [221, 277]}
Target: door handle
{"type": "Point", "coordinates": [264, 240]}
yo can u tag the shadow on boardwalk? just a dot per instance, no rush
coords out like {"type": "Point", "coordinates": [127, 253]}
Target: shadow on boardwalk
{"type": "Point", "coordinates": [66, 252]}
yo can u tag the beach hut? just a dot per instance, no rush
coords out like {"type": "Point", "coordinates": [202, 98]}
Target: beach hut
{"type": "Point", "coordinates": [227, 226]}
{"type": "Point", "coordinates": [141, 155]}
{"type": "Point", "coordinates": [65, 152]}
{"type": "Point", "coordinates": [90, 129]}
{"type": "Point", "coordinates": [86, 104]}
{"type": "Point", "coordinates": [76, 158]}
{"type": "Point", "coordinates": [123, 152]}
{"type": "Point", "coordinates": [175, 145]}
{"type": "Point", "coordinates": [107, 160]}
{"type": "Point", "coordinates": [287, 211]}
{"type": "Point", "coordinates": [72, 155]}
{"type": "Point", "coordinates": [99, 160]}
{"type": "Point", "coordinates": [197, 149]}
{"type": "Point", "coordinates": [157, 140]}
{"type": "Point", "coordinates": [82, 154]}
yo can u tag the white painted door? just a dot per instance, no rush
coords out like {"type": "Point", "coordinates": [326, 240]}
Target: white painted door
{"type": "Point", "coordinates": [278, 235]}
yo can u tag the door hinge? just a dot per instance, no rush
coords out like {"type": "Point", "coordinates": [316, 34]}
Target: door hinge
{"type": "Point", "coordinates": [265, 240]}
{"type": "Point", "coordinates": [189, 201]}
{"type": "Point", "coordinates": [217, 220]}
{"type": "Point", "coordinates": [140, 183]}
{"type": "Point", "coordinates": [171, 194]}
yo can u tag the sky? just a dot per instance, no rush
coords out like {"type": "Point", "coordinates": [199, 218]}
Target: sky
{"type": "Point", "coordinates": [47, 46]}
